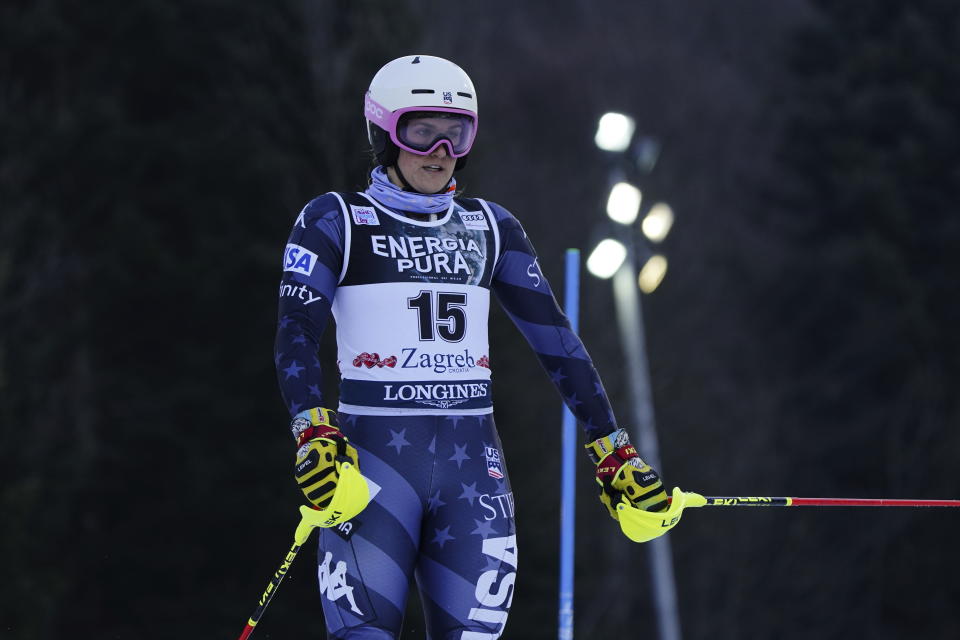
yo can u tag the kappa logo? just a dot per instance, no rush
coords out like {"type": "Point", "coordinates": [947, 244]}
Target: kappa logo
{"type": "Point", "coordinates": [474, 220]}
{"type": "Point", "coordinates": [334, 584]}
{"type": "Point", "coordinates": [300, 218]}
{"type": "Point", "coordinates": [299, 260]}
{"type": "Point", "coordinates": [364, 215]}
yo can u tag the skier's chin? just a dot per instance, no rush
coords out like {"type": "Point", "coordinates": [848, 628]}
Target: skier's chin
{"type": "Point", "coordinates": [429, 181]}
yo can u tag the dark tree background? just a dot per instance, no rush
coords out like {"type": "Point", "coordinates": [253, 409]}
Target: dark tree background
{"type": "Point", "coordinates": [154, 155]}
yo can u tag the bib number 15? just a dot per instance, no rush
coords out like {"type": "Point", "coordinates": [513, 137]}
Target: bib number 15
{"type": "Point", "coordinates": [440, 313]}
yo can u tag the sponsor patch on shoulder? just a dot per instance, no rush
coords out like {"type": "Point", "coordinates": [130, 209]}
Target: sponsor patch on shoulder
{"type": "Point", "coordinates": [299, 260]}
{"type": "Point", "coordinates": [474, 220]}
{"type": "Point", "coordinates": [364, 215]}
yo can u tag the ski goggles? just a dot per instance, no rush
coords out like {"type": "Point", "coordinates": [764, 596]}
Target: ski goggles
{"type": "Point", "coordinates": [421, 130]}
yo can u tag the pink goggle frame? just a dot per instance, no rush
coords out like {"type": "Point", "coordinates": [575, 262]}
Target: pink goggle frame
{"type": "Point", "coordinates": [387, 120]}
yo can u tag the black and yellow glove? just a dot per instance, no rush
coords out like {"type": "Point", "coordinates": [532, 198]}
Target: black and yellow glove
{"type": "Point", "coordinates": [621, 475]}
{"type": "Point", "coordinates": [321, 451]}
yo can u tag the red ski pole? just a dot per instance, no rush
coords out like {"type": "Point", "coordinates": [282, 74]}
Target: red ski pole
{"type": "Point", "coordinates": [729, 501]}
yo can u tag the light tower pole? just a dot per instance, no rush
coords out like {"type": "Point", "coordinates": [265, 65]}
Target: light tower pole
{"type": "Point", "coordinates": [619, 258]}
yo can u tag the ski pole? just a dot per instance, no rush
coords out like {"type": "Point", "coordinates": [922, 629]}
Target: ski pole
{"type": "Point", "coordinates": [308, 520]}
{"type": "Point", "coordinates": [728, 501]}
{"type": "Point", "coordinates": [352, 496]}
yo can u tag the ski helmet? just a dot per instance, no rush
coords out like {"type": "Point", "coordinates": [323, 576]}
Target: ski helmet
{"type": "Point", "coordinates": [410, 89]}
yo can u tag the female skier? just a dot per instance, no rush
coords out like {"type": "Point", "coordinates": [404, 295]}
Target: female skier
{"type": "Point", "coordinates": [407, 268]}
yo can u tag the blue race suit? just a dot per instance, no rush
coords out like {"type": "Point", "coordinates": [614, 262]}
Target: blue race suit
{"type": "Point", "coordinates": [410, 298]}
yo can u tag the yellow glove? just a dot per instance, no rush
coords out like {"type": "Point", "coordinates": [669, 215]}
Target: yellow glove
{"type": "Point", "coordinates": [327, 469]}
{"type": "Point", "coordinates": [623, 476]}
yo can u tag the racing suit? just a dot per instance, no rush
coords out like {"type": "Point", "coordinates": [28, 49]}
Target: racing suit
{"type": "Point", "coordinates": [410, 297]}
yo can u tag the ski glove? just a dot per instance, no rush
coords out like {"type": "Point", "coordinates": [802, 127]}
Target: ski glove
{"type": "Point", "coordinates": [321, 451]}
{"type": "Point", "coordinates": [621, 475]}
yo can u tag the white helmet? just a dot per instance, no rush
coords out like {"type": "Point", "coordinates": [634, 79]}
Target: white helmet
{"type": "Point", "coordinates": [411, 89]}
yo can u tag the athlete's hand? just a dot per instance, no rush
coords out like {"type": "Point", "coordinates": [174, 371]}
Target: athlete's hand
{"type": "Point", "coordinates": [321, 449]}
{"type": "Point", "coordinates": [621, 475]}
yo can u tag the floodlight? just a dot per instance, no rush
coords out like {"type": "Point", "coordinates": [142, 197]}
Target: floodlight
{"type": "Point", "coordinates": [623, 204]}
{"type": "Point", "coordinates": [651, 275]}
{"type": "Point", "coordinates": [656, 224]}
{"type": "Point", "coordinates": [614, 132]}
{"type": "Point", "coordinates": [606, 258]}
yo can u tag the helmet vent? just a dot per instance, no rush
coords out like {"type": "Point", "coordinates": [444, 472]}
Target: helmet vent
{"type": "Point", "coordinates": [464, 95]}
{"type": "Point", "coordinates": [422, 91]}
{"type": "Point", "coordinates": [416, 60]}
